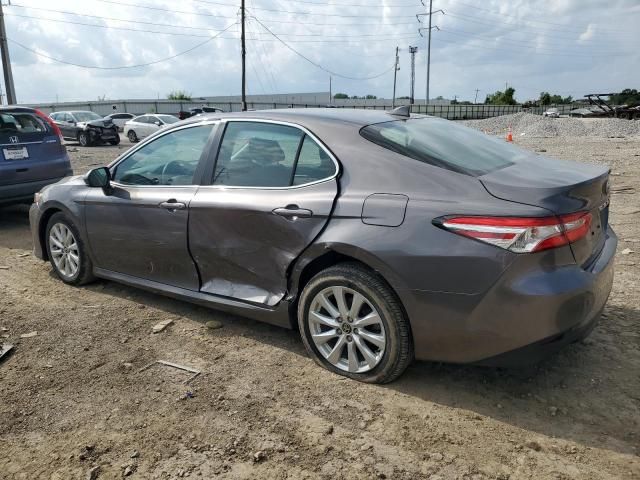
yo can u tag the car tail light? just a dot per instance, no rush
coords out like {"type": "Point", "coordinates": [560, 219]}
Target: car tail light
{"type": "Point", "coordinates": [521, 234]}
{"type": "Point", "coordinates": [51, 123]}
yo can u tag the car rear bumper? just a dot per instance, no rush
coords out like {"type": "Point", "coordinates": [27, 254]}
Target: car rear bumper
{"type": "Point", "coordinates": [532, 310]}
{"type": "Point", "coordinates": [23, 192]}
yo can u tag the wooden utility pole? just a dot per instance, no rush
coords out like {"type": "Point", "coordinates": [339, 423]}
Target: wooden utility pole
{"type": "Point", "coordinates": [6, 62]}
{"type": "Point", "coordinates": [395, 74]}
{"type": "Point", "coordinates": [244, 54]}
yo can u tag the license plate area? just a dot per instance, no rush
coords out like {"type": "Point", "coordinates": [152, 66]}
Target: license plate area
{"type": "Point", "coordinates": [15, 153]}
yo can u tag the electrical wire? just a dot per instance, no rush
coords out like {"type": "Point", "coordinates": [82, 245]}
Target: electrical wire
{"type": "Point", "coordinates": [317, 64]}
{"type": "Point", "coordinates": [121, 67]}
{"type": "Point", "coordinates": [170, 10]}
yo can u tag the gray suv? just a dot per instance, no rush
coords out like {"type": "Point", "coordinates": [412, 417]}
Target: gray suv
{"type": "Point", "coordinates": [32, 154]}
{"type": "Point", "coordinates": [381, 237]}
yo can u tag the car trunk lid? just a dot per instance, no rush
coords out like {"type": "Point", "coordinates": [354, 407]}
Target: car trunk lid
{"type": "Point", "coordinates": [562, 187]}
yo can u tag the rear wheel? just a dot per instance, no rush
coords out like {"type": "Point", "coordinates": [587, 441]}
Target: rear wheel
{"type": "Point", "coordinates": [67, 252]}
{"type": "Point", "coordinates": [352, 324]}
{"type": "Point", "coordinates": [116, 140]}
{"type": "Point", "coordinates": [84, 139]}
{"type": "Point", "coordinates": [133, 138]}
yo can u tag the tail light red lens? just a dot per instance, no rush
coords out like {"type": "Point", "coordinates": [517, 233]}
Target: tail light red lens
{"type": "Point", "coordinates": [522, 235]}
{"type": "Point", "coordinates": [51, 123]}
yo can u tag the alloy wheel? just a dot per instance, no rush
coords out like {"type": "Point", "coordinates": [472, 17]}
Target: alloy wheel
{"type": "Point", "coordinates": [347, 329]}
{"type": "Point", "coordinates": [64, 250]}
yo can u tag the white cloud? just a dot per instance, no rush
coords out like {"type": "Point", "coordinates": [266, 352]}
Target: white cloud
{"type": "Point", "coordinates": [562, 46]}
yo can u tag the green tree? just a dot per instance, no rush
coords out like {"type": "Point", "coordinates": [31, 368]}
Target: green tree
{"type": "Point", "coordinates": [502, 98]}
{"type": "Point", "coordinates": [179, 95]}
{"type": "Point", "coordinates": [370, 97]}
{"type": "Point", "coordinates": [628, 96]}
{"type": "Point", "coordinates": [340, 96]}
{"type": "Point", "coordinates": [547, 99]}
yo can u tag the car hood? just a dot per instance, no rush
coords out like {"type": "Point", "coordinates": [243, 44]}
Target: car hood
{"type": "Point", "coordinates": [103, 122]}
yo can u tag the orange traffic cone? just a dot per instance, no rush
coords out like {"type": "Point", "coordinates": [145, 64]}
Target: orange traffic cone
{"type": "Point", "coordinates": [509, 135]}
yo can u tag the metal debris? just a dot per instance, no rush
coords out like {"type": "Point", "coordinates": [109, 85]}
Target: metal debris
{"type": "Point", "coordinates": [174, 365]}
{"type": "Point", "coordinates": [5, 348]}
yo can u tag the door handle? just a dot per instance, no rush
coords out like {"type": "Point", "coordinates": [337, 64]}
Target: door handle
{"type": "Point", "coordinates": [291, 211]}
{"type": "Point", "coordinates": [173, 205]}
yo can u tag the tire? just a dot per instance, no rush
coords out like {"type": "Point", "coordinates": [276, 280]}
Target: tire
{"type": "Point", "coordinates": [55, 232]}
{"type": "Point", "coordinates": [131, 135]}
{"type": "Point", "coordinates": [115, 141]}
{"type": "Point", "coordinates": [393, 350]}
{"type": "Point", "coordinates": [84, 139]}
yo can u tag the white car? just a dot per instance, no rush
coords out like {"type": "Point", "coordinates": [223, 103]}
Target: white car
{"type": "Point", "coordinates": [552, 112]}
{"type": "Point", "coordinates": [119, 119]}
{"type": "Point", "coordinates": [145, 125]}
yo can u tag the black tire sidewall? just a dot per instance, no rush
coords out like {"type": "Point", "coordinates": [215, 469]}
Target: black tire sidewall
{"type": "Point", "coordinates": [84, 272]}
{"type": "Point", "coordinates": [375, 297]}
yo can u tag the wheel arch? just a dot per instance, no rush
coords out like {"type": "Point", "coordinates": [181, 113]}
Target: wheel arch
{"type": "Point", "coordinates": [320, 257]}
{"type": "Point", "coordinates": [51, 209]}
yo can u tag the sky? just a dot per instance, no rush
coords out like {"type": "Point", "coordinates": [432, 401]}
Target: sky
{"type": "Point", "coordinates": [566, 47]}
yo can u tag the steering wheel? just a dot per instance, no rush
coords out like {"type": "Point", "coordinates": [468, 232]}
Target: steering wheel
{"type": "Point", "coordinates": [166, 167]}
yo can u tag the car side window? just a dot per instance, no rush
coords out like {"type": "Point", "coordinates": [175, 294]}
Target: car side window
{"type": "Point", "coordinates": [171, 159]}
{"type": "Point", "coordinates": [142, 119]}
{"type": "Point", "coordinates": [68, 118]}
{"type": "Point", "coordinates": [255, 154]}
{"type": "Point", "coordinates": [313, 163]}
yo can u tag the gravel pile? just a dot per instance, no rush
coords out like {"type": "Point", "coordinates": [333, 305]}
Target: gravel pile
{"type": "Point", "coordinates": [526, 124]}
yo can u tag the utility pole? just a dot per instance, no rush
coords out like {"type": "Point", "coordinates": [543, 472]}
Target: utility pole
{"type": "Point", "coordinates": [6, 62]}
{"type": "Point", "coordinates": [244, 54]}
{"type": "Point", "coordinates": [395, 74]}
{"type": "Point", "coordinates": [330, 94]}
{"type": "Point", "coordinates": [426, 100]}
{"type": "Point", "coordinates": [475, 100]}
{"type": "Point", "coordinates": [412, 51]}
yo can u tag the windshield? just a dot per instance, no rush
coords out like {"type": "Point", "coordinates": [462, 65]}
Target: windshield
{"type": "Point", "coordinates": [86, 116]}
{"type": "Point", "coordinates": [444, 144]}
{"type": "Point", "coordinates": [168, 118]}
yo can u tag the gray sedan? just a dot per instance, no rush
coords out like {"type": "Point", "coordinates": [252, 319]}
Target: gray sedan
{"type": "Point", "coordinates": [381, 236]}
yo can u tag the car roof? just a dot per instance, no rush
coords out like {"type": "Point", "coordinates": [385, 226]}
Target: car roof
{"type": "Point", "coordinates": [309, 117]}
{"type": "Point", "coordinates": [16, 108]}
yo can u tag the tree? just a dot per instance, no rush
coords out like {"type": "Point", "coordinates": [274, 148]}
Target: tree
{"type": "Point", "coordinates": [627, 96]}
{"type": "Point", "coordinates": [547, 99]}
{"type": "Point", "coordinates": [502, 98]}
{"type": "Point", "coordinates": [179, 95]}
{"type": "Point", "coordinates": [340, 96]}
{"type": "Point", "coordinates": [370, 97]}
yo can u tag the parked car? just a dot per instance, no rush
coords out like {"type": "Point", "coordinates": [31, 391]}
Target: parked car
{"type": "Point", "coordinates": [552, 112]}
{"type": "Point", "coordinates": [33, 154]}
{"type": "Point", "coordinates": [192, 112]}
{"type": "Point", "coordinates": [87, 128]}
{"type": "Point", "coordinates": [381, 236]}
{"type": "Point", "coordinates": [119, 119]}
{"type": "Point", "coordinates": [144, 125]}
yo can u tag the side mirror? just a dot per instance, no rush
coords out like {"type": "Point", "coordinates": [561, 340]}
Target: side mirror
{"type": "Point", "coordinates": [158, 123]}
{"type": "Point", "coordinates": [98, 177]}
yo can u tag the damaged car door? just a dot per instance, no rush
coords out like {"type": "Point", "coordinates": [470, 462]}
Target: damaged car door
{"type": "Point", "coordinates": [138, 227]}
{"type": "Point", "coordinates": [271, 193]}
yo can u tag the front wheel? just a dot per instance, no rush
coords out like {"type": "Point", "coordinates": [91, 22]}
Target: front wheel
{"type": "Point", "coordinates": [133, 138]}
{"type": "Point", "coordinates": [116, 140]}
{"type": "Point", "coordinates": [84, 139]}
{"type": "Point", "coordinates": [352, 324]}
{"type": "Point", "coordinates": [67, 252]}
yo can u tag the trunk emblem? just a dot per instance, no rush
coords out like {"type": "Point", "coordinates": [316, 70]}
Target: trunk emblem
{"type": "Point", "coordinates": [13, 139]}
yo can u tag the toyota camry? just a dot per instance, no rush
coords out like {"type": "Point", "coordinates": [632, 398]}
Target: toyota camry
{"type": "Point", "coordinates": [381, 236]}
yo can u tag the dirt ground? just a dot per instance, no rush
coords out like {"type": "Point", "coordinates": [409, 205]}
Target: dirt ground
{"type": "Point", "coordinates": [73, 398]}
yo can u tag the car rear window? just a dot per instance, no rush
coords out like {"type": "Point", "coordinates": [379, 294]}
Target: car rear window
{"type": "Point", "coordinates": [444, 144]}
{"type": "Point", "coordinates": [20, 123]}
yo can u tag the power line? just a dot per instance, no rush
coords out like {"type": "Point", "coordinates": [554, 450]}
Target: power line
{"type": "Point", "coordinates": [170, 10]}
{"type": "Point", "coordinates": [317, 64]}
{"type": "Point", "coordinates": [326, 4]}
{"type": "Point", "coordinates": [97, 67]}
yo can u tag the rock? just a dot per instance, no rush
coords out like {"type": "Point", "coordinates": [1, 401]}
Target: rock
{"type": "Point", "coordinates": [553, 411]}
{"type": "Point", "coordinates": [127, 365]}
{"type": "Point", "coordinates": [129, 469]}
{"type": "Point", "coordinates": [259, 456]}
{"type": "Point", "coordinates": [159, 327]}
{"type": "Point", "coordinates": [437, 457]}
{"type": "Point", "coordinates": [572, 449]}
{"type": "Point", "coordinates": [533, 445]}
{"type": "Point", "coordinates": [93, 473]}
{"type": "Point", "coordinates": [213, 324]}
{"type": "Point", "coordinates": [29, 335]}
{"type": "Point", "coordinates": [626, 251]}
{"type": "Point", "coordinates": [135, 454]}
{"type": "Point", "coordinates": [328, 430]}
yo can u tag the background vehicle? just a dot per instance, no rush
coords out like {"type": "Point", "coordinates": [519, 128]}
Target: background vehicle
{"type": "Point", "coordinates": [32, 154]}
{"type": "Point", "coordinates": [197, 111]}
{"type": "Point", "coordinates": [145, 125]}
{"type": "Point", "coordinates": [383, 236]}
{"type": "Point", "coordinates": [119, 119]}
{"type": "Point", "coordinates": [87, 128]}
{"type": "Point", "coordinates": [552, 112]}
